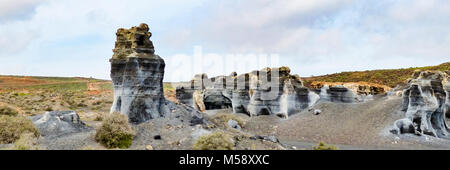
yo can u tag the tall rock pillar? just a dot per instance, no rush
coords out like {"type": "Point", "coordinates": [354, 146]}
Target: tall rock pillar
{"type": "Point", "coordinates": [137, 74]}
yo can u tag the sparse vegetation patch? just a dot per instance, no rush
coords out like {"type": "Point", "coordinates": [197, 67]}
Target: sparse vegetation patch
{"type": "Point", "coordinates": [115, 132]}
{"type": "Point", "coordinates": [323, 146]}
{"type": "Point", "coordinates": [12, 127]}
{"type": "Point", "coordinates": [215, 141]}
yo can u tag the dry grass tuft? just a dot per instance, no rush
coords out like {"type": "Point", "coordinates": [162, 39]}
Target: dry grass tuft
{"type": "Point", "coordinates": [12, 127]}
{"type": "Point", "coordinates": [5, 110]}
{"type": "Point", "coordinates": [27, 141]}
{"type": "Point", "coordinates": [214, 141]}
{"type": "Point", "coordinates": [221, 119]}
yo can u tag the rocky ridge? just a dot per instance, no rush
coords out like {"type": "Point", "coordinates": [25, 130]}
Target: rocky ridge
{"type": "Point", "coordinates": [270, 91]}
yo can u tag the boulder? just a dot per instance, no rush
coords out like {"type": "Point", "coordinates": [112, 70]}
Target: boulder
{"type": "Point", "coordinates": [57, 123]}
{"type": "Point", "coordinates": [402, 126]}
{"type": "Point", "coordinates": [265, 138]}
{"type": "Point", "coordinates": [317, 111]}
{"type": "Point", "coordinates": [233, 124]}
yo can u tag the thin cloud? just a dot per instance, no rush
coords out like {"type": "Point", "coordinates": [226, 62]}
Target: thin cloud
{"type": "Point", "coordinates": [312, 37]}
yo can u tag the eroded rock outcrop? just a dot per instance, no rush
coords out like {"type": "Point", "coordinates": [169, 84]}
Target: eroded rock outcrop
{"type": "Point", "coordinates": [426, 103]}
{"type": "Point", "coordinates": [270, 91]}
{"type": "Point", "coordinates": [348, 92]}
{"type": "Point", "coordinates": [137, 74]}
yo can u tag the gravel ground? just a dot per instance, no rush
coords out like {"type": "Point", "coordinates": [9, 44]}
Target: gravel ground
{"type": "Point", "coordinates": [347, 125]}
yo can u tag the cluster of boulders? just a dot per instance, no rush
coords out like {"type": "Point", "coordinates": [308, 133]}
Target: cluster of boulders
{"type": "Point", "coordinates": [426, 103]}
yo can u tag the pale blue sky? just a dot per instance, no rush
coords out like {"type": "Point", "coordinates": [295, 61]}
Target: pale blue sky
{"type": "Point", "coordinates": [76, 37]}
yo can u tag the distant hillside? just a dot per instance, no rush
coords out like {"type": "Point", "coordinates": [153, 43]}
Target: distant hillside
{"type": "Point", "coordinates": [388, 77]}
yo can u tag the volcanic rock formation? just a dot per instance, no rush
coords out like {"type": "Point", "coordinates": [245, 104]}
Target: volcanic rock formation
{"type": "Point", "coordinates": [348, 92]}
{"type": "Point", "coordinates": [137, 74]}
{"type": "Point", "coordinates": [262, 92]}
{"type": "Point", "coordinates": [426, 103]}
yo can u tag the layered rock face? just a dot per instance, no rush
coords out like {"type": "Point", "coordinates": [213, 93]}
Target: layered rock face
{"type": "Point", "coordinates": [348, 92]}
{"type": "Point", "coordinates": [137, 74]}
{"type": "Point", "coordinates": [262, 92]}
{"type": "Point", "coordinates": [426, 103]}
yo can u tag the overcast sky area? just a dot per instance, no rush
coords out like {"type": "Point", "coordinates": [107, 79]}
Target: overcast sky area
{"type": "Point", "coordinates": [315, 37]}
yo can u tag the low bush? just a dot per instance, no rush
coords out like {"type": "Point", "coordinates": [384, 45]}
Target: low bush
{"type": "Point", "coordinates": [12, 127]}
{"type": "Point", "coordinates": [115, 132]}
{"type": "Point", "coordinates": [49, 109]}
{"type": "Point", "coordinates": [221, 119]}
{"type": "Point", "coordinates": [214, 141]}
{"type": "Point", "coordinates": [323, 146]}
{"type": "Point", "coordinates": [5, 110]}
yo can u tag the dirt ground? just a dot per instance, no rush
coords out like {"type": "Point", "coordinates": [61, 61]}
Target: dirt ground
{"type": "Point", "coordinates": [347, 126]}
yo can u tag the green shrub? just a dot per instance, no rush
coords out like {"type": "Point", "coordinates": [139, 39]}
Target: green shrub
{"type": "Point", "coordinates": [214, 141]}
{"type": "Point", "coordinates": [12, 127]}
{"type": "Point", "coordinates": [323, 146]}
{"type": "Point", "coordinates": [115, 132]}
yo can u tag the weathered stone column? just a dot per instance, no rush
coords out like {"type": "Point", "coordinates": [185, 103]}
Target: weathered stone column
{"type": "Point", "coordinates": [425, 104]}
{"type": "Point", "coordinates": [137, 74]}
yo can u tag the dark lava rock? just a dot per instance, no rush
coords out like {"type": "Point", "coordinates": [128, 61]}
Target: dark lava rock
{"type": "Point", "coordinates": [196, 120]}
{"type": "Point", "coordinates": [266, 138]}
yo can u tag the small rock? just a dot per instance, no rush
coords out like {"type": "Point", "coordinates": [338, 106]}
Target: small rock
{"type": "Point", "coordinates": [199, 132]}
{"type": "Point", "coordinates": [233, 124]}
{"type": "Point", "coordinates": [317, 112]}
{"type": "Point", "coordinates": [266, 138]}
{"type": "Point", "coordinates": [196, 120]}
{"type": "Point", "coordinates": [149, 147]}
{"type": "Point", "coordinates": [271, 139]}
{"type": "Point", "coordinates": [157, 137]}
